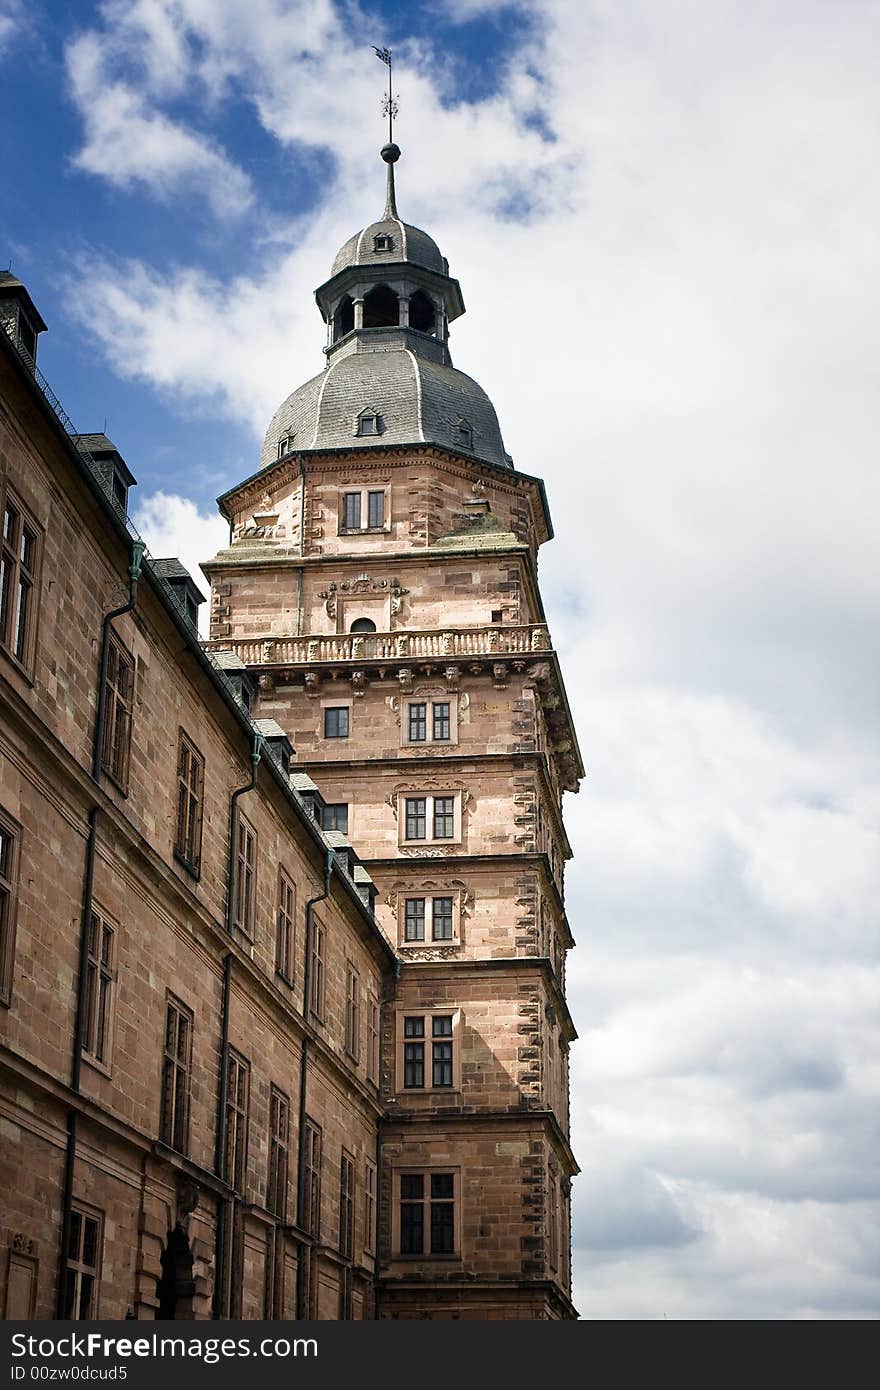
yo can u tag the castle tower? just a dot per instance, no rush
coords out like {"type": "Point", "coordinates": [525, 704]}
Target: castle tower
{"type": "Point", "coordinates": [381, 584]}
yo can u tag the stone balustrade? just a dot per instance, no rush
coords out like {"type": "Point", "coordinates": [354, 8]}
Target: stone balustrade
{"type": "Point", "coordinates": [524, 640]}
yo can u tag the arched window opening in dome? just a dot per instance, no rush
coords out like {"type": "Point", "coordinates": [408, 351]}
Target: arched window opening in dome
{"type": "Point", "coordinates": [285, 444]}
{"type": "Point", "coordinates": [383, 242]}
{"type": "Point", "coordinates": [421, 313]}
{"type": "Point", "coordinates": [343, 319]}
{"type": "Point", "coordinates": [381, 308]}
{"type": "Point", "coordinates": [464, 435]}
{"type": "Point", "coordinates": [363, 625]}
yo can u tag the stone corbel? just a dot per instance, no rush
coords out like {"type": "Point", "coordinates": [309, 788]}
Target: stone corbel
{"type": "Point", "coordinates": [405, 679]}
{"type": "Point", "coordinates": [312, 683]}
{"type": "Point", "coordinates": [267, 683]}
{"type": "Point", "coordinates": [499, 675]}
{"type": "Point", "coordinates": [358, 683]}
{"type": "Point", "coordinates": [452, 676]}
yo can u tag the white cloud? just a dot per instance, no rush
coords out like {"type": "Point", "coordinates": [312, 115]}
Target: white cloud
{"type": "Point", "coordinates": [173, 526]}
{"type": "Point", "coordinates": [680, 337]}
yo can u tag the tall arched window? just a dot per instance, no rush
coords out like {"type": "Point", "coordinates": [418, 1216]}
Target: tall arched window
{"type": "Point", "coordinates": [421, 313]}
{"type": "Point", "coordinates": [343, 319]}
{"type": "Point", "coordinates": [363, 625]}
{"type": "Point", "coordinates": [381, 308]}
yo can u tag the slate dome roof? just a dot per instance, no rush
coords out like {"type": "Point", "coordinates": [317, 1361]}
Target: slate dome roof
{"type": "Point", "coordinates": [417, 401]}
{"type": "Point", "coordinates": [408, 243]}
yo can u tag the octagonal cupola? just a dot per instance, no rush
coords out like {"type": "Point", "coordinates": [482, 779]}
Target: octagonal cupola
{"type": "Point", "coordinates": [390, 282]}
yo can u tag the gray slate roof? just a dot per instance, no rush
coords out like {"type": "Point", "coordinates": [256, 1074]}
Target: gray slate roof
{"type": "Point", "coordinates": [408, 244]}
{"type": "Point", "coordinates": [418, 400]}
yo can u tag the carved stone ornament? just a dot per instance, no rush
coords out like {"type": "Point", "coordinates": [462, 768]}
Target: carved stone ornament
{"type": "Point", "coordinates": [499, 675]}
{"type": "Point", "coordinates": [188, 1193]}
{"type": "Point", "coordinates": [358, 683]}
{"type": "Point", "coordinates": [23, 1245]}
{"type": "Point", "coordinates": [431, 952]}
{"type": "Point", "coordinates": [312, 683]}
{"type": "Point", "coordinates": [363, 584]}
{"type": "Point", "coordinates": [452, 676]}
{"type": "Point", "coordinates": [267, 683]}
{"type": "Point", "coordinates": [405, 679]}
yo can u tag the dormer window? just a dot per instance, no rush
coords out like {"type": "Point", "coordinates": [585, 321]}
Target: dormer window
{"type": "Point", "coordinates": [368, 422]}
{"type": "Point", "coordinates": [383, 242]}
{"type": "Point", "coordinates": [464, 435]}
{"type": "Point", "coordinates": [285, 444]}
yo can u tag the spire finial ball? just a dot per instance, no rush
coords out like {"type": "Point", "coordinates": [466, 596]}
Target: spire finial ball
{"type": "Point", "coordinates": [390, 153]}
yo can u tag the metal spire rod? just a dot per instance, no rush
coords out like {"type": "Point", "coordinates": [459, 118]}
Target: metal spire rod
{"type": "Point", "coordinates": [389, 104]}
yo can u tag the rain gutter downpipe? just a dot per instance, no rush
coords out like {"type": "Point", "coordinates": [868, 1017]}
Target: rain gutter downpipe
{"type": "Point", "coordinates": [302, 1265]}
{"type": "Point", "coordinates": [220, 1141]}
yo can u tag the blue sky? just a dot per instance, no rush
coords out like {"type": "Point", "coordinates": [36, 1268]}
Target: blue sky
{"type": "Point", "coordinates": [662, 214]}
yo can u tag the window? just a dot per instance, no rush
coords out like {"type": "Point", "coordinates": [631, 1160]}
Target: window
{"type": "Point", "coordinates": [415, 817]}
{"type": "Point", "coordinates": [364, 509]}
{"type": "Point", "coordinates": [369, 1206]}
{"type": "Point", "coordinates": [285, 445]}
{"type": "Point", "coordinates": [426, 1213]}
{"type": "Point", "coordinates": [317, 985]}
{"type": "Point", "coordinates": [20, 545]}
{"type": "Point", "coordinates": [430, 722]}
{"type": "Point", "coordinates": [430, 818]}
{"type": "Point", "coordinates": [553, 1223]}
{"type": "Point", "coordinates": [82, 1265]}
{"type": "Point", "coordinates": [311, 1215]}
{"type": "Point", "coordinates": [464, 434]}
{"type": "Point", "coordinates": [285, 927]}
{"type": "Point", "coordinates": [440, 710]}
{"type": "Point", "coordinates": [418, 723]}
{"type": "Point", "coordinates": [346, 1207]}
{"type": "Point", "coordinates": [431, 919]}
{"type": "Point", "coordinates": [245, 876]}
{"type": "Point", "coordinates": [176, 1067]}
{"type": "Point", "coordinates": [335, 816]}
{"type": "Point", "coordinates": [237, 1103]}
{"type": "Point", "coordinates": [383, 242]}
{"type": "Point", "coordinates": [279, 1141]}
{"type": "Point", "coordinates": [336, 721]}
{"type": "Point", "coordinates": [373, 1040]}
{"type": "Point", "coordinates": [414, 920]}
{"type": "Point", "coordinates": [497, 615]}
{"type": "Point", "coordinates": [8, 898]}
{"type": "Point", "coordinates": [427, 1050]}
{"type": "Point", "coordinates": [368, 424]}
{"type": "Point", "coordinates": [375, 510]}
{"type": "Point", "coordinates": [363, 625]}
{"type": "Point", "coordinates": [190, 800]}
{"type": "Point", "coordinates": [118, 692]}
{"type": "Point", "coordinates": [443, 817]}
{"type": "Point", "coordinates": [100, 974]}
{"type": "Point", "coordinates": [353, 1015]}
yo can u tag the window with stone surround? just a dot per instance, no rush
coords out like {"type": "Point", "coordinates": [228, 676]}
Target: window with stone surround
{"type": "Point", "coordinates": [369, 1207]}
{"type": "Point", "coordinates": [21, 543]}
{"type": "Point", "coordinates": [190, 802]}
{"type": "Point", "coordinates": [353, 1014]}
{"type": "Point", "coordinates": [285, 927]}
{"type": "Point", "coordinates": [373, 1039]}
{"type": "Point", "coordinates": [428, 1051]}
{"type": "Point", "coordinates": [429, 918]}
{"type": "Point", "coordinates": [118, 700]}
{"type": "Point", "coordinates": [82, 1263]}
{"type": "Point", "coordinates": [238, 1074]}
{"type": "Point", "coordinates": [553, 1222]}
{"type": "Point", "coordinates": [426, 1217]}
{"type": "Point", "coordinates": [312, 1179]}
{"type": "Point", "coordinates": [100, 981]}
{"type": "Point", "coordinates": [336, 721]}
{"type": "Point", "coordinates": [279, 1145]}
{"type": "Point", "coordinates": [346, 1206]}
{"type": "Point", "coordinates": [9, 856]}
{"type": "Point", "coordinates": [429, 818]}
{"type": "Point", "coordinates": [364, 509]}
{"type": "Point", "coordinates": [316, 1000]}
{"type": "Point", "coordinates": [430, 721]}
{"type": "Point", "coordinates": [245, 887]}
{"type": "Point", "coordinates": [176, 1076]}
{"type": "Point", "coordinates": [335, 816]}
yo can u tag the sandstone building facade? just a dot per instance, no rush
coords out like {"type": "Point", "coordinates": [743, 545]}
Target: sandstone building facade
{"type": "Point", "coordinates": [282, 1006]}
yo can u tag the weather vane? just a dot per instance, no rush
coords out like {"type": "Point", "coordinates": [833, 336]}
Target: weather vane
{"type": "Point", "coordinates": [389, 102]}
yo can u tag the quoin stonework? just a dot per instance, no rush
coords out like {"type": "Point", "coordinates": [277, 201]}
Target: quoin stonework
{"type": "Point", "coordinates": [282, 919]}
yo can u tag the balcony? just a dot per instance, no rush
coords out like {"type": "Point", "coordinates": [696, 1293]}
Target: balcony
{"type": "Point", "coordinates": [404, 645]}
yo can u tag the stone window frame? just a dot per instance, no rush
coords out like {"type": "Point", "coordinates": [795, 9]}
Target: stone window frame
{"type": "Point", "coordinates": [429, 894]}
{"type": "Point", "coordinates": [370, 1193]}
{"type": "Point", "coordinates": [190, 804]}
{"type": "Point", "coordinates": [277, 1177]}
{"type": "Point", "coordinates": [401, 1170]}
{"type": "Point", "coordinates": [352, 1012]}
{"type": "Point", "coordinates": [313, 1169]}
{"type": "Point", "coordinates": [79, 1268]}
{"type": "Point", "coordinates": [318, 971]}
{"type": "Point", "coordinates": [13, 562]}
{"type": "Point", "coordinates": [347, 1204]}
{"type": "Point", "coordinates": [285, 927]}
{"type": "Point", "coordinates": [373, 1022]}
{"type": "Point", "coordinates": [100, 999]}
{"type": "Point", "coordinates": [429, 701]}
{"type": "Point", "coordinates": [236, 1119]}
{"type": "Point", "coordinates": [180, 1112]}
{"type": "Point", "coordinates": [244, 895]}
{"type": "Point", "coordinates": [119, 699]}
{"type": "Point", "coordinates": [430, 797]}
{"type": "Point", "coordinates": [401, 1013]}
{"type": "Point", "coordinates": [9, 884]}
{"type": "Point", "coordinates": [338, 702]}
{"type": "Point", "coordinates": [335, 807]}
{"type": "Point", "coordinates": [363, 491]}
